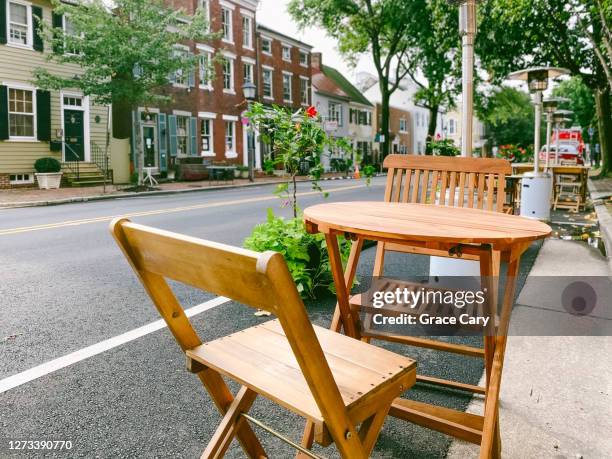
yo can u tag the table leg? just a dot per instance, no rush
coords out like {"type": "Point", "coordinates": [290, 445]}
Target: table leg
{"type": "Point", "coordinates": [348, 319]}
{"type": "Point", "coordinates": [349, 277]}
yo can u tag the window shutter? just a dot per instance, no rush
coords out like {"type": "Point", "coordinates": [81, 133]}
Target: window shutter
{"type": "Point", "coordinates": [43, 115]}
{"type": "Point", "coordinates": [3, 31]}
{"type": "Point", "coordinates": [172, 134]}
{"type": "Point", "coordinates": [192, 71]}
{"type": "Point", "coordinates": [135, 115]}
{"type": "Point", "coordinates": [37, 14]}
{"type": "Point", "coordinates": [4, 118]}
{"type": "Point", "coordinates": [193, 151]}
{"type": "Point", "coordinates": [57, 20]}
{"type": "Point", "coordinates": [162, 137]}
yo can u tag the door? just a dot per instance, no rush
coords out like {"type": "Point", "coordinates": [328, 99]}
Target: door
{"type": "Point", "coordinates": [74, 135]}
{"type": "Point", "coordinates": [149, 140]}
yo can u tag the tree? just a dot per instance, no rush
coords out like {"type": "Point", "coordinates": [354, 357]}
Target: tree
{"type": "Point", "coordinates": [519, 33]}
{"type": "Point", "coordinates": [508, 116]}
{"type": "Point", "coordinates": [582, 103]}
{"type": "Point", "coordinates": [125, 56]}
{"type": "Point", "coordinates": [433, 60]}
{"type": "Point", "coordinates": [376, 26]}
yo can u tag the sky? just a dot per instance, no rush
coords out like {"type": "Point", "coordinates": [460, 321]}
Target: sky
{"type": "Point", "coordinates": [273, 14]}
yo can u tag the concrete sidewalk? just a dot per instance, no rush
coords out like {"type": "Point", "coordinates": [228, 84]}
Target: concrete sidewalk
{"type": "Point", "coordinates": [556, 395]}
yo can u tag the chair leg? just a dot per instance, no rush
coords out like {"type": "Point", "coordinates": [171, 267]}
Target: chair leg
{"type": "Point", "coordinates": [227, 430]}
{"type": "Point", "coordinates": [307, 439]}
{"type": "Point", "coordinates": [370, 429]}
{"type": "Point", "coordinates": [223, 399]}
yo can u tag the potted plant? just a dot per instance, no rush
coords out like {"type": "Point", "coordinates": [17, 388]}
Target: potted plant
{"type": "Point", "coordinates": [244, 171]}
{"type": "Point", "coordinates": [48, 173]}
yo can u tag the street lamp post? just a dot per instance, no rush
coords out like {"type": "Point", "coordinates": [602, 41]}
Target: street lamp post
{"type": "Point", "coordinates": [467, 29]}
{"type": "Point", "coordinates": [249, 90]}
{"type": "Point", "coordinates": [537, 186]}
{"type": "Point", "coordinates": [559, 117]}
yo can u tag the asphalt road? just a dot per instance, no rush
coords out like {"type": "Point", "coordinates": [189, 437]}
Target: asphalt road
{"type": "Point", "coordinates": [65, 286]}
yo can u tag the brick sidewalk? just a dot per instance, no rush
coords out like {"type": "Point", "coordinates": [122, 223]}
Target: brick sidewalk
{"type": "Point", "coordinates": [14, 197]}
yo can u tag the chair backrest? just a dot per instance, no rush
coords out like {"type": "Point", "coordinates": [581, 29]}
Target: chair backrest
{"type": "Point", "coordinates": [259, 280]}
{"type": "Point", "coordinates": [450, 181]}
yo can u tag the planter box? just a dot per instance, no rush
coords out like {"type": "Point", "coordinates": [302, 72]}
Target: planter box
{"type": "Point", "coordinates": [49, 180]}
{"type": "Point", "coordinates": [192, 172]}
{"type": "Point", "coordinates": [244, 174]}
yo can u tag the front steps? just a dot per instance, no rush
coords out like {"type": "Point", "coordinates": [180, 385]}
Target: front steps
{"type": "Point", "coordinates": [89, 175]}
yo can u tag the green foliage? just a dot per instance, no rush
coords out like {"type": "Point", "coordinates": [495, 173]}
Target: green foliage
{"type": "Point", "coordinates": [47, 165]}
{"type": "Point", "coordinates": [514, 153]}
{"type": "Point", "coordinates": [378, 28]}
{"type": "Point", "coordinates": [582, 103]}
{"type": "Point", "coordinates": [268, 166]}
{"type": "Point", "coordinates": [306, 254]}
{"type": "Point", "coordinates": [508, 116]}
{"type": "Point", "coordinates": [341, 164]}
{"type": "Point", "coordinates": [443, 147]}
{"type": "Point", "coordinates": [125, 56]}
{"type": "Point", "coordinates": [296, 139]}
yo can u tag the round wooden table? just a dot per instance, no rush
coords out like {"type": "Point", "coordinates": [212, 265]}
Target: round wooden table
{"type": "Point", "coordinates": [456, 230]}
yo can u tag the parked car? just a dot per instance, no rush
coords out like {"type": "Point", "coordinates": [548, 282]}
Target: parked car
{"type": "Point", "coordinates": [568, 152]}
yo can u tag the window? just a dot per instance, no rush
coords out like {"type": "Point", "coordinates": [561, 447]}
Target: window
{"type": "Point", "coordinates": [20, 24]}
{"type": "Point", "coordinates": [226, 21]}
{"type": "Point", "coordinates": [287, 93]}
{"type": "Point", "coordinates": [21, 113]}
{"type": "Point", "coordinates": [402, 126]}
{"type": "Point", "coordinates": [267, 83]}
{"type": "Point", "coordinates": [205, 6]}
{"type": "Point", "coordinates": [182, 135]}
{"type": "Point", "coordinates": [304, 91]}
{"type": "Point", "coordinates": [287, 53]}
{"type": "Point", "coordinates": [230, 137]}
{"type": "Point", "coordinates": [266, 45]}
{"type": "Point", "coordinates": [247, 32]}
{"type": "Point", "coordinates": [451, 126]}
{"type": "Point", "coordinates": [335, 112]}
{"type": "Point", "coordinates": [418, 119]}
{"type": "Point", "coordinates": [420, 148]}
{"type": "Point", "coordinates": [181, 77]}
{"type": "Point", "coordinates": [303, 58]}
{"type": "Point", "coordinates": [20, 179]}
{"type": "Point", "coordinates": [248, 72]}
{"type": "Point", "coordinates": [73, 101]}
{"type": "Point", "coordinates": [207, 137]}
{"type": "Point", "coordinates": [205, 70]}
{"type": "Point", "coordinates": [228, 75]}
{"type": "Point", "coordinates": [70, 45]}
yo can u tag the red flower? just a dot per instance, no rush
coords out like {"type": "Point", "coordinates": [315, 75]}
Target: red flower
{"type": "Point", "coordinates": [311, 112]}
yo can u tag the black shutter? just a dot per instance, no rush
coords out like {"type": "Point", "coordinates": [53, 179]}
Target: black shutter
{"type": "Point", "coordinates": [37, 14]}
{"type": "Point", "coordinates": [4, 118]}
{"type": "Point", "coordinates": [3, 35]}
{"type": "Point", "coordinates": [43, 115]}
{"type": "Point", "coordinates": [57, 21]}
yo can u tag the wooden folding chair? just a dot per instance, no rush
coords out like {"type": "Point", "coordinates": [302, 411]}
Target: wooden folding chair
{"type": "Point", "coordinates": [447, 181]}
{"type": "Point", "coordinates": [335, 382]}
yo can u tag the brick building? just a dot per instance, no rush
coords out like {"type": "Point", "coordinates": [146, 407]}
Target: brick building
{"type": "Point", "coordinates": [399, 129]}
{"type": "Point", "coordinates": [203, 117]}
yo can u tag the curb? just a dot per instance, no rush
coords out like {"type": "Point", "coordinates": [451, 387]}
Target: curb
{"type": "Point", "coordinates": [105, 197]}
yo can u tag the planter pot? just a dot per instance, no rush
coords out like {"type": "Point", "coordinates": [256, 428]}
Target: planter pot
{"type": "Point", "coordinates": [236, 173]}
{"type": "Point", "coordinates": [49, 180]}
{"type": "Point", "coordinates": [171, 174]}
{"type": "Point", "coordinates": [244, 174]}
{"type": "Point", "coordinates": [279, 173]}
{"type": "Point", "coordinates": [192, 172]}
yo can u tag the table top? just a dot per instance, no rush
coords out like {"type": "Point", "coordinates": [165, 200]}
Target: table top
{"type": "Point", "coordinates": [550, 166]}
{"type": "Point", "coordinates": [424, 222]}
{"type": "Point", "coordinates": [221, 167]}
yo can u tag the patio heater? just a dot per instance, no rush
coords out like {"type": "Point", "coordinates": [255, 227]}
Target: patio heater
{"type": "Point", "coordinates": [536, 186]}
{"type": "Point", "coordinates": [550, 105]}
{"type": "Point", "coordinates": [467, 30]}
{"type": "Point", "coordinates": [249, 90]}
{"type": "Point", "coordinates": [559, 117]}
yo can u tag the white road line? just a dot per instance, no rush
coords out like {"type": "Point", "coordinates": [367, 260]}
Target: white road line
{"type": "Point", "coordinates": [62, 362]}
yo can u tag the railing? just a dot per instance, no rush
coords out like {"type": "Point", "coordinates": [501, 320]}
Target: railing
{"type": "Point", "coordinates": [100, 158]}
{"type": "Point", "coordinates": [73, 164]}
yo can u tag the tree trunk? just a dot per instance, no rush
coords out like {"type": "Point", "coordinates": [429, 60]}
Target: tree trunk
{"type": "Point", "coordinates": [295, 208]}
{"type": "Point", "coordinates": [604, 115]}
{"type": "Point", "coordinates": [384, 124]}
{"type": "Point", "coordinates": [139, 150]}
{"type": "Point", "coordinates": [431, 128]}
